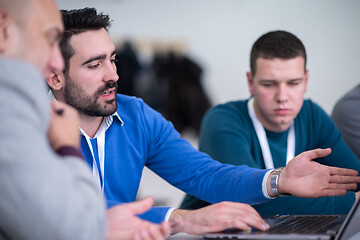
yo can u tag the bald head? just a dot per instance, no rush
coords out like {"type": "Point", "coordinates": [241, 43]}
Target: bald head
{"type": "Point", "coordinates": [18, 10]}
{"type": "Point", "coordinates": [30, 30]}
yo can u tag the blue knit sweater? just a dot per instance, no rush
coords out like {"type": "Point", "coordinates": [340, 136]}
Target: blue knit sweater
{"type": "Point", "coordinates": [146, 139]}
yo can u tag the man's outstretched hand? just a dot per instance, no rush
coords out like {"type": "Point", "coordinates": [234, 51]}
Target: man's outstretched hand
{"type": "Point", "coordinates": [303, 177]}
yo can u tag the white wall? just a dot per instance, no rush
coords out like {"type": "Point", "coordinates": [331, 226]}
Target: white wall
{"type": "Point", "coordinates": [219, 35]}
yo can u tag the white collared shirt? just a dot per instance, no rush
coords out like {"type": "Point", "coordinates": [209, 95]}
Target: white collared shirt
{"type": "Point", "coordinates": [97, 148]}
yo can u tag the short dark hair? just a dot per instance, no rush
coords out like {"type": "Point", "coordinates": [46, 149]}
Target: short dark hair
{"type": "Point", "coordinates": [77, 21]}
{"type": "Point", "coordinates": [276, 44]}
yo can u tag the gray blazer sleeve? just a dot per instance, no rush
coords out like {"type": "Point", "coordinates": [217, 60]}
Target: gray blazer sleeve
{"type": "Point", "coordinates": [42, 195]}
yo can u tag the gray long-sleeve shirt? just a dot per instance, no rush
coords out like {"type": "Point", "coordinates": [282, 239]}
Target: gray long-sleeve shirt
{"type": "Point", "coordinates": [42, 195]}
{"type": "Point", "coordinates": [346, 114]}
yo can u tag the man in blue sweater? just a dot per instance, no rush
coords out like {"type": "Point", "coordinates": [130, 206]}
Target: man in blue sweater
{"type": "Point", "coordinates": [121, 135]}
{"type": "Point", "coordinates": [275, 124]}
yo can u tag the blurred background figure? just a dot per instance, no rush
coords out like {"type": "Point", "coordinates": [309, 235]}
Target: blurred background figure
{"type": "Point", "coordinates": [346, 114]}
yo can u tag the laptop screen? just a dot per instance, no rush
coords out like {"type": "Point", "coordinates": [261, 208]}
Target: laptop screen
{"type": "Point", "coordinates": [351, 227]}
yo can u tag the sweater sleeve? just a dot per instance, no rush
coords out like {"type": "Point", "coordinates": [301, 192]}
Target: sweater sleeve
{"type": "Point", "coordinates": [155, 214]}
{"type": "Point", "coordinates": [226, 136]}
{"type": "Point", "coordinates": [194, 172]}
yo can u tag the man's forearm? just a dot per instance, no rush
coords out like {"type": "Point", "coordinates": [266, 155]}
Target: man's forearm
{"type": "Point", "coordinates": [178, 221]}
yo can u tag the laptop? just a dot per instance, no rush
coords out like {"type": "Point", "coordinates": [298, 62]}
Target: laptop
{"type": "Point", "coordinates": [296, 227]}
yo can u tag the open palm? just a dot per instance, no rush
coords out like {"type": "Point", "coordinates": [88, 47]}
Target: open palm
{"type": "Point", "coordinates": [303, 177]}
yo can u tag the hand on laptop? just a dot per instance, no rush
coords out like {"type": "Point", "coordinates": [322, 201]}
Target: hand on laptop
{"type": "Point", "coordinates": [215, 218]}
{"type": "Point", "coordinates": [124, 224]}
{"type": "Point", "coordinates": [303, 177]}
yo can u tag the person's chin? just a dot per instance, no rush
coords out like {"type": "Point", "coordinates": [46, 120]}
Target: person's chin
{"type": "Point", "coordinates": [111, 108]}
{"type": "Point", "coordinates": [285, 122]}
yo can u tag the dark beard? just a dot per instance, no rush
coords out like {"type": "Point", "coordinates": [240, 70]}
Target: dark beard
{"type": "Point", "coordinates": [88, 105]}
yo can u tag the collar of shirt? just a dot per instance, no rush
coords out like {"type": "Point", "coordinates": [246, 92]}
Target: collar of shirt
{"type": "Point", "coordinates": [106, 123]}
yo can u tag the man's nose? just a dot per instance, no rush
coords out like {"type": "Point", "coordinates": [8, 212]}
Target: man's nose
{"type": "Point", "coordinates": [282, 95]}
{"type": "Point", "coordinates": [111, 74]}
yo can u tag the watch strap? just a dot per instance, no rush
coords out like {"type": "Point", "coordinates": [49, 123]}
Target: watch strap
{"type": "Point", "coordinates": [274, 183]}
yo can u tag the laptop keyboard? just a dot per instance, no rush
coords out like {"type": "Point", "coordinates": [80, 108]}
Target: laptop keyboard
{"type": "Point", "coordinates": [302, 224]}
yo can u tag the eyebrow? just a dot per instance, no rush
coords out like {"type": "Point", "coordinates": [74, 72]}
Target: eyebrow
{"type": "Point", "coordinates": [56, 32]}
{"type": "Point", "coordinates": [296, 80]}
{"type": "Point", "coordinates": [273, 80]}
{"type": "Point", "coordinates": [99, 57]}
{"type": "Point", "coordinates": [60, 34]}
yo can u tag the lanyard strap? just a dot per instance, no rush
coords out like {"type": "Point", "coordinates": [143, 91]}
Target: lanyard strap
{"type": "Point", "coordinates": [264, 144]}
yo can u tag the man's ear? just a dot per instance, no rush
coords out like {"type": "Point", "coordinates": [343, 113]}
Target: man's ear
{"type": "Point", "coordinates": [4, 30]}
{"type": "Point", "coordinates": [250, 83]}
{"type": "Point", "coordinates": [55, 81]}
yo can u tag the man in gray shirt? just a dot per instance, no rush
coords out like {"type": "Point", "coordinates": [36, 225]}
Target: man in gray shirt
{"type": "Point", "coordinates": [346, 115]}
{"type": "Point", "coordinates": [47, 191]}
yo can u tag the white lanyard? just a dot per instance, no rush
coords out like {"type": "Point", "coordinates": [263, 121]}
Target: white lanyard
{"type": "Point", "coordinates": [264, 144]}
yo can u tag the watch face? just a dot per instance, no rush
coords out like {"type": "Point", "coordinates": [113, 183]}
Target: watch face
{"type": "Point", "coordinates": [274, 181]}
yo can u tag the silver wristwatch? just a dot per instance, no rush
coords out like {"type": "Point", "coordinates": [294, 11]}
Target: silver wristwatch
{"type": "Point", "coordinates": [274, 182]}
